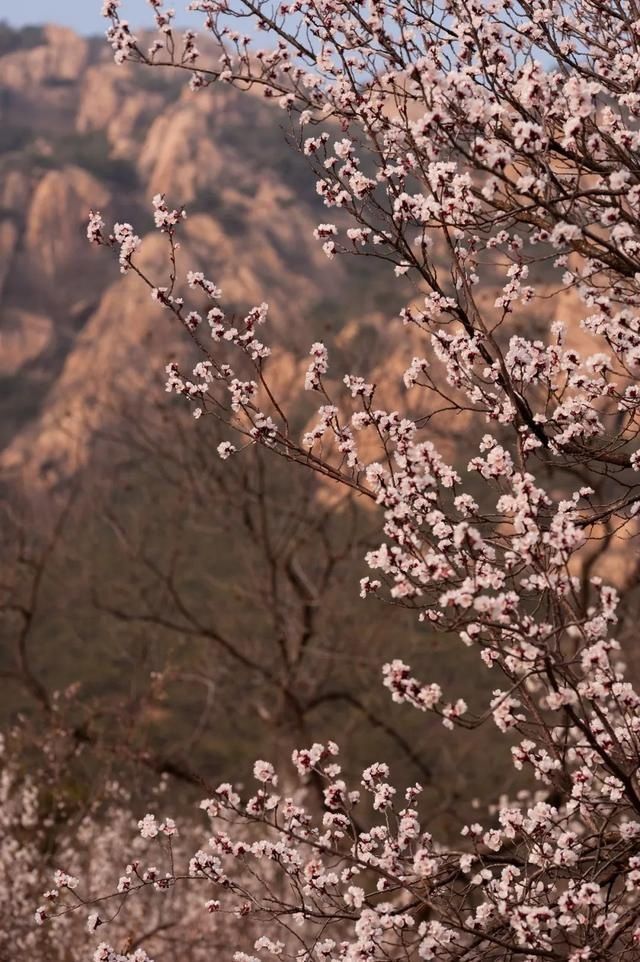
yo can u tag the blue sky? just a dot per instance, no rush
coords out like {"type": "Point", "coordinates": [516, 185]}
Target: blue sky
{"type": "Point", "coordinates": [82, 15]}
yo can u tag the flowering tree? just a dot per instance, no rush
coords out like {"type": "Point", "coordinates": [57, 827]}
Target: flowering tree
{"type": "Point", "coordinates": [48, 817]}
{"type": "Point", "coordinates": [258, 619]}
{"type": "Point", "coordinates": [489, 151]}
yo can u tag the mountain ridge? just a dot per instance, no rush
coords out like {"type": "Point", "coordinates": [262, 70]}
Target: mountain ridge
{"type": "Point", "coordinates": [74, 333]}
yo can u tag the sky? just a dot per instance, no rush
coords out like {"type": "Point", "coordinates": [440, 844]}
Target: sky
{"type": "Point", "coordinates": [82, 15]}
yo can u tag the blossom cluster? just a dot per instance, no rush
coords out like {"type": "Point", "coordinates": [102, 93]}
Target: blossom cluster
{"type": "Point", "coordinates": [353, 880]}
{"type": "Point", "coordinates": [488, 152]}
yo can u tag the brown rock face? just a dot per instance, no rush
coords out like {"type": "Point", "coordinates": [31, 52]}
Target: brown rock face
{"type": "Point", "coordinates": [15, 188]}
{"type": "Point", "coordinates": [178, 151]}
{"type": "Point", "coordinates": [8, 242]}
{"type": "Point", "coordinates": [110, 104]}
{"type": "Point", "coordinates": [24, 336]}
{"type": "Point", "coordinates": [62, 56]}
{"type": "Point", "coordinates": [57, 216]}
{"type": "Point", "coordinates": [77, 339]}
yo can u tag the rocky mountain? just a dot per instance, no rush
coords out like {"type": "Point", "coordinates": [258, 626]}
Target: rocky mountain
{"type": "Point", "coordinates": [82, 356]}
{"type": "Point", "coordinates": [76, 132]}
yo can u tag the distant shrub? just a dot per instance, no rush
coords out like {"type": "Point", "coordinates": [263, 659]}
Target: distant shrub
{"type": "Point", "coordinates": [59, 81]}
{"type": "Point", "coordinates": [232, 217]}
{"type": "Point", "coordinates": [162, 83]}
{"type": "Point", "coordinates": [14, 137]}
{"type": "Point", "coordinates": [22, 39]}
{"type": "Point", "coordinates": [92, 152]}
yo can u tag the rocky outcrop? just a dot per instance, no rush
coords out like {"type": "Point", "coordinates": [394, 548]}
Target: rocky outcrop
{"type": "Point", "coordinates": [109, 102]}
{"type": "Point", "coordinates": [23, 337]}
{"type": "Point", "coordinates": [62, 56]}
{"type": "Point", "coordinates": [57, 217]}
{"type": "Point", "coordinates": [78, 341]}
{"type": "Point", "coordinates": [8, 243]}
{"type": "Point", "coordinates": [15, 188]}
{"type": "Point", "coordinates": [178, 153]}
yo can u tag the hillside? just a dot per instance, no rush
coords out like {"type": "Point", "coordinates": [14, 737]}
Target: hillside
{"type": "Point", "coordinates": [76, 131]}
{"type": "Point", "coordinates": [154, 518]}
{"type": "Point", "coordinates": [163, 553]}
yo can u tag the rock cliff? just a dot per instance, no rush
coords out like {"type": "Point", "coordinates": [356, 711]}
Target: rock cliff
{"type": "Point", "coordinates": [76, 132]}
